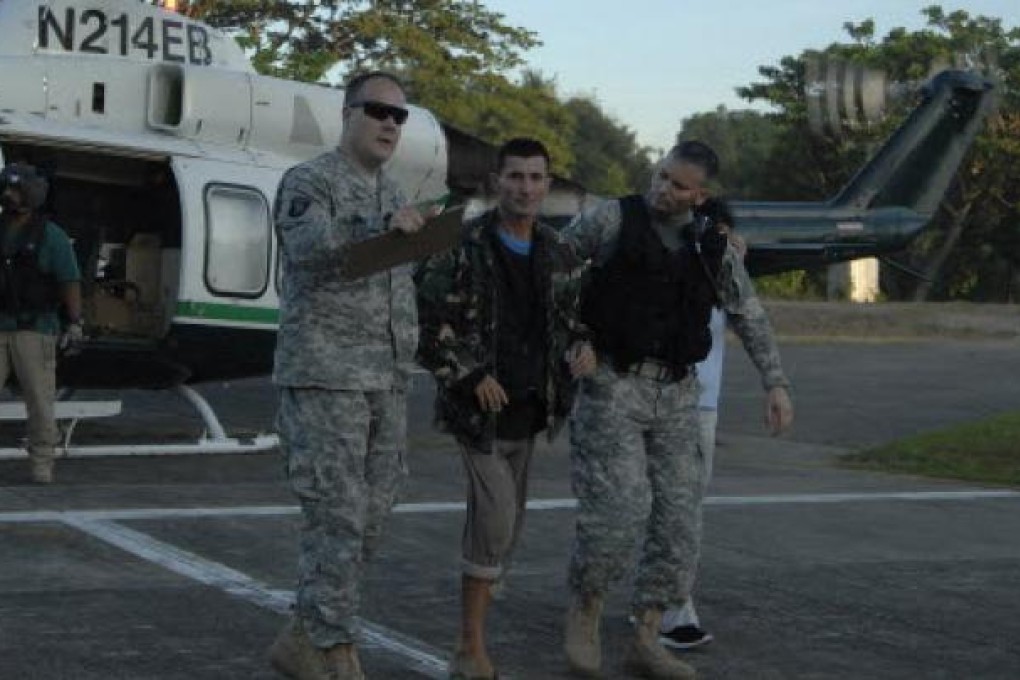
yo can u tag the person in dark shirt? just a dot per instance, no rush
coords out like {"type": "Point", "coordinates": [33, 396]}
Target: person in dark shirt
{"type": "Point", "coordinates": [499, 333]}
{"type": "Point", "coordinates": [40, 306]}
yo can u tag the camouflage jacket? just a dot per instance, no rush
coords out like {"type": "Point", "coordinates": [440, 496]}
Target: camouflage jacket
{"type": "Point", "coordinates": [336, 334]}
{"type": "Point", "coordinates": [458, 308]}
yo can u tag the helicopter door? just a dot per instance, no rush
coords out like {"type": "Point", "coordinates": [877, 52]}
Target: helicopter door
{"type": "Point", "coordinates": [227, 237]}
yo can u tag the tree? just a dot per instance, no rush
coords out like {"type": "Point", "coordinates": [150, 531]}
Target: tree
{"type": "Point", "coordinates": [744, 141]}
{"type": "Point", "coordinates": [495, 109]}
{"type": "Point", "coordinates": [608, 158]}
{"type": "Point", "coordinates": [303, 39]}
{"type": "Point", "coordinates": [971, 244]}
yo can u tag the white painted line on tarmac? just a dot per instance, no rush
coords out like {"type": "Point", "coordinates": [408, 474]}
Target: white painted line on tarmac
{"type": "Point", "coordinates": [127, 514]}
{"type": "Point", "coordinates": [537, 505]}
{"type": "Point", "coordinates": [180, 561]}
{"type": "Point", "coordinates": [187, 513]}
{"type": "Point", "coordinates": [424, 659]}
{"type": "Point", "coordinates": [41, 517]}
{"type": "Point", "coordinates": [552, 504]}
{"type": "Point", "coordinates": [426, 508]}
{"type": "Point", "coordinates": [865, 497]}
{"type": "Point", "coordinates": [421, 657]}
{"type": "Point", "coordinates": [788, 499]}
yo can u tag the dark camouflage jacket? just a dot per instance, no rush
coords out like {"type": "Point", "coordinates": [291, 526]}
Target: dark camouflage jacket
{"type": "Point", "coordinates": [457, 309]}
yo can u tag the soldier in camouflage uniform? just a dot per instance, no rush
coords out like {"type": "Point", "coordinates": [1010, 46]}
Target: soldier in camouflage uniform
{"type": "Point", "coordinates": [342, 359]}
{"type": "Point", "coordinates": [635, 461]}
{"type": "Point", "coordinates": [498, 319]}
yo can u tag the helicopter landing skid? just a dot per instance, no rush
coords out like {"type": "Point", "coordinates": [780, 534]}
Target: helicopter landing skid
{"type": "Point", "coordinates": [214, 439]}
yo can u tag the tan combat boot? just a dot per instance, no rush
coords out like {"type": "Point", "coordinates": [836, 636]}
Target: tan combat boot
{"type": "Point", "coordinates": [647, 658]}
{"type": "Point", "coordinates": [582, 645]}
{"type": "Point", "coordinates": [294, 656]}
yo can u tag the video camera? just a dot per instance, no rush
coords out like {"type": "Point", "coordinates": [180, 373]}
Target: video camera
{"type": "Point", "coordinates": [703, 231]}
{"type": "Point", "coordinates": [716, 211]}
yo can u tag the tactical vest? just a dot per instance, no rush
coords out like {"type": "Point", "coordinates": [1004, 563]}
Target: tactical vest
{"type": "Point", "coordinates": [25, 290]}
{"type": "Point", "coordinates": [648, 302]}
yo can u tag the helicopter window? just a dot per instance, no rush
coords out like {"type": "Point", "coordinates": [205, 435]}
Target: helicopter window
{"type": "Point", "coordinates": [238, 239]}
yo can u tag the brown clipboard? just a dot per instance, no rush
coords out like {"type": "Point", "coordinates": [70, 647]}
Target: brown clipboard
{"type": "Point", "coordinates": [395, 247]}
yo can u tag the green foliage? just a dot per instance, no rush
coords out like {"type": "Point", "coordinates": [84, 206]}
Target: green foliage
{"type": "Point", "coordinates": [795, 285]}
{"type": "Point", "coordinates": [608, 158]}
{"type": "Point", "coordinates": [302, 40]}
{"type": "Point", "coordinates": [744, 140]}
{"type": "Point", "coordinates": [984, 451]}
{"type": "Point", "coordinates": [493, 108]}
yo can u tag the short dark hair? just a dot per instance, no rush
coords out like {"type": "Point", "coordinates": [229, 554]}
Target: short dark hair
{"type": "Point", "coordinates": [697, 153]}
{"type": "Point", "coordinates": [356, 82]}
{"type": "Point", "coordinates": [521, 147]}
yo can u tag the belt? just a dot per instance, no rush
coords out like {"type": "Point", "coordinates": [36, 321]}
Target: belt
{"type": "Point", "coordinates": [653, 369]}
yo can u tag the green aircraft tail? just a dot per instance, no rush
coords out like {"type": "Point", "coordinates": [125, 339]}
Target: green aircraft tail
{"type": "Point", "coordinates": [915, 166]}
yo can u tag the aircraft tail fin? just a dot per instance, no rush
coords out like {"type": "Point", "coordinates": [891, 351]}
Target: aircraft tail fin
{"type": "Point", "coordinates": [916, 164]}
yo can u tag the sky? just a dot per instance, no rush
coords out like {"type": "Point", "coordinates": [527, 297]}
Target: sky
{"type": "Point", "coordinates": [651, 63]}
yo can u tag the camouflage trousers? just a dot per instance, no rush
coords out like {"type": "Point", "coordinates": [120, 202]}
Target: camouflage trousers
{"type": "Point", "coordinates": [345, 461]}
{"type": "Point", "coordinates": [637, 474]}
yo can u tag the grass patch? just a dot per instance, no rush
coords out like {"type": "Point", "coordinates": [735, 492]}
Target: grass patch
{"type": "Point", "coordinates": [941, 321]}
{"type": "Point", "coordinates": [983, 451]}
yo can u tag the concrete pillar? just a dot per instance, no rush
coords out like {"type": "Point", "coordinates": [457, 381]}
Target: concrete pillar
{"type": "Point", "coordinates": [864, 280]}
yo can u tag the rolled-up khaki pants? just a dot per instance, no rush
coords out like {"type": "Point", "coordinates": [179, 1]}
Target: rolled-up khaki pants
{"type": "Point", "coordinates": [497, 493]}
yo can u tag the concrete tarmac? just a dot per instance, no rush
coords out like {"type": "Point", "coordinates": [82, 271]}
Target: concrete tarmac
{"type": "Point", "coordinates": [183, 567]}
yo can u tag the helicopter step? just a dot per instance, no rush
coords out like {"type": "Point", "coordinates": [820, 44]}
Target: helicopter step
{"type": "Point", "coordinates": [65, 410]}
{"type": "Point", "coordinates": [214, 439]}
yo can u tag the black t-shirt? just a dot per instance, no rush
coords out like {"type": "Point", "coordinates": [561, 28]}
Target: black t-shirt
{"type": "Point", "coordinates": [520, 344]}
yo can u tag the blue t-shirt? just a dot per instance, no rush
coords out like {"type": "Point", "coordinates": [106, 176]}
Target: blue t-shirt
{"type": "Point", "coordinates": [515, 245]}
{"type": "Point", "coordinates": [56, 257]}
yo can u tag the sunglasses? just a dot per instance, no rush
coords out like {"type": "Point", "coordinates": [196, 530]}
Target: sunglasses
{"type": "Point", "coordinates": [381, 111]}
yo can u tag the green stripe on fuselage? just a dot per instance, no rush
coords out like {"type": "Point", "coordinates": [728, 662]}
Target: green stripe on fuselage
{"type": "Point", "coordinates": [214, 311]}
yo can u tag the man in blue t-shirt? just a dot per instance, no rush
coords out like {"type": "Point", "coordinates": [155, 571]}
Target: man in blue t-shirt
{"type": "Point", "coordinates": [39, 292]}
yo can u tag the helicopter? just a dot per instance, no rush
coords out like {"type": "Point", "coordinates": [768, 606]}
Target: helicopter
{"type": "Point", "coordinates": [164, 149]}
